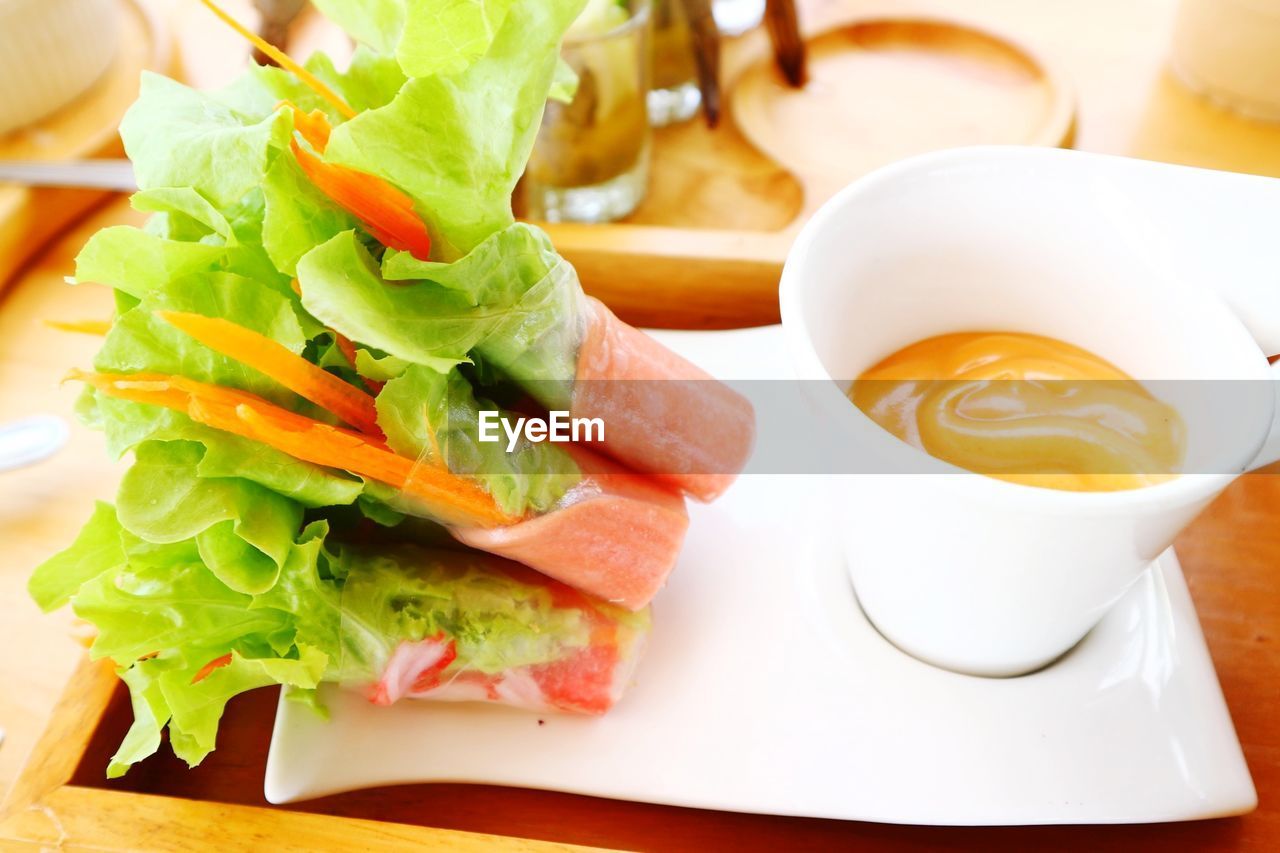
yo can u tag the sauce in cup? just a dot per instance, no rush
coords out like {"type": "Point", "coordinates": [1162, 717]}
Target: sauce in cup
{"type": "Point", "coordinates": [1026, 409]}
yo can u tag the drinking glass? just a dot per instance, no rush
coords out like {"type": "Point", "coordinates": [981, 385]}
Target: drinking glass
{"type": "Point", "coordinates": [590, 162]}
{"type": "Point", "coordinates": [675, 95]}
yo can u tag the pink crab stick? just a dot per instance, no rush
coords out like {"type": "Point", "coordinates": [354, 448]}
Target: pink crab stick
{"type": "Point", "coordinates": [664, 416]}
{"type": "Point", "coordinates": [615, 535]}
{"type": "Point", "coordinates": [588, 653]}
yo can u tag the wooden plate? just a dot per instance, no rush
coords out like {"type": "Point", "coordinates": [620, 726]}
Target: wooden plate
{"type": "Point", "coordinates": [883, 89]}
{"type": "Point", "coordinates": [84, 128]}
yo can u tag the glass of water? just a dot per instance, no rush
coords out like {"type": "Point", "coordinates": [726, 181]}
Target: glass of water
{"type": "Point", "coordinates": [675, 95]}
{"type": "Point", "coordinates": [590, 162]}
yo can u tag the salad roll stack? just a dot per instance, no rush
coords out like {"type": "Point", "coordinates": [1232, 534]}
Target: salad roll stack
{"type": "Point", "coordinates": [329, 297]}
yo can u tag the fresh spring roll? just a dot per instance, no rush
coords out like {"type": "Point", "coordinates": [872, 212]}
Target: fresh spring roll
{"type": "Point", "coordinates": [188, 631]}
{"type": "Point", "coordinates": [470, 627]}
{"type": "Point", "coordinates": [568, 513]}
{"type": "Point", "coordinates": [585, 520]}
{"type": "Point", "coordinates": [527, 317]}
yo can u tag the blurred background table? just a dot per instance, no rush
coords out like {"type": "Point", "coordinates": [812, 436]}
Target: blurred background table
{"type": "Point", "coordinates": [1129, 104]}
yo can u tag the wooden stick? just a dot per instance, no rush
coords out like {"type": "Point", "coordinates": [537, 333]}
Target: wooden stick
{"type": "Point", "coordinates": [277, 16]}
{"type": "Point", "coordinates": [706, 52]}
{"type": "Point", "coordinates": [788, 47]}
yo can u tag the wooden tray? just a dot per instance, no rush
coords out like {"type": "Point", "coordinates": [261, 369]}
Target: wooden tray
{"type": "Point", "coordinates": [1128, 105]}
{"type": "Point", "coordinates": [84, 128]}
{"type": "Point", "coordinates": [1228, 556]}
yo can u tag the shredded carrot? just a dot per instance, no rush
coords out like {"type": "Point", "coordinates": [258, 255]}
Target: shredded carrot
{"type": "Point", "coordinates": [205, 670]}
{"type": "Point", "coordinates": [294, 372]}
{"type": "Point", "coordinates": [385, 211]}
{"type": "Point", "coordinates": [82, 327]}
{"type": "Point", "coordinates": [446, 496]}
{"type": "Point", "coordinates": [313, 126]}
{"type": "Point", "coordinates": [284, 60]}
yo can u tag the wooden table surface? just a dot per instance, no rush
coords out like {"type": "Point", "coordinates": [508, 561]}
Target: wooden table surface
{"type": "Point", "coordinates": [1130, 105]}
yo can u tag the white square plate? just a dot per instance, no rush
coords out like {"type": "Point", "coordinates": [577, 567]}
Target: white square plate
{"type": "Point", "coordinates": [764, 689]}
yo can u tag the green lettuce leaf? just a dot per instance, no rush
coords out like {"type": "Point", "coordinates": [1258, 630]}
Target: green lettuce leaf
{"type": "Point", "coordinates": [96, 550]}
{"type": "Point", "coordinates": [150, 715]}
{"type": "Point", "coordinates": [197, 708]}
{"type": "Point", "coordinates": [532, 476]}
{"type": "Point", "coordinates": [370, 81]}
{"type": "Point", "coordinates": [198, 212]}
{"type": "Point", "coordinates": [446, 36]}
{"type": "Point", "coordinates": [243, 532]}
{"type": "Point", "coordinates": [140, 610]}
{"type": "Point", "coordinates": [564, 83]}
{"type": "Point", "coordinates": [433, 326]}
{"type": "Point", "coordinates": [457, 143]}
{"type": "Point", "coordinates": [498, 270]}
{"type": "Point", "coordinates": [141, 341]}
{"type": "Point", "coordinates": [138, 263]}
{"type": "Point", "coordinates": [128, 424]}
{"type": "Point", "coordinates": [187, 236]}
{"type": "Point", "coordinates": [298, 217]}
{"type": "Point", "coordinates": [177, 136]}
{"type": "Point", "coordinates": [164, 618]}
{"type": "Point", "coordinates": [536, 342]}
{"type": "Point", "coordinates": [512, 299]}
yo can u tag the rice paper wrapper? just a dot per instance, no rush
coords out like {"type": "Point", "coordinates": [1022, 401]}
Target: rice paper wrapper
{"type": "Point", "coordinates": [536, 343]}
{"type": "Point", "coordinates": [461, 626]}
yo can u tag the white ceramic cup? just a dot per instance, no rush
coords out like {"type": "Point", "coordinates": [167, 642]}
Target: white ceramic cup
{"type": "Point", "coordinates": [1166, 271]}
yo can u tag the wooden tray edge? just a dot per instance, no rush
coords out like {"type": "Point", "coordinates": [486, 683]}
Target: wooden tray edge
{"type": "Point", "coordinates": [74, 817]}
{"type": "Point", "coordinates": [42, 809]}
{"type": "Point", "coordinates": [676, 278]}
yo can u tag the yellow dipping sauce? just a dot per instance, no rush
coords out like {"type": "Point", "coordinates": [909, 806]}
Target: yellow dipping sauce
{"type": "Point", "coordinates": [1026, 409]}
